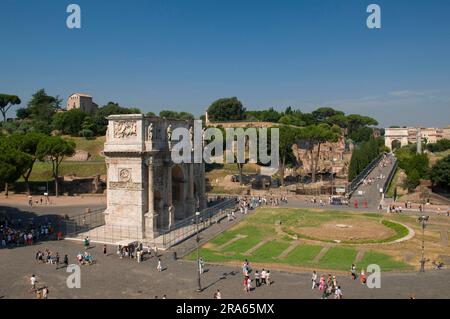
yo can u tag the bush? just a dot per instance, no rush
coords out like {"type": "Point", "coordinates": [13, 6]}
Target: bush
{"type": "Point", "coordinates": [87, 134]}
{"type": "Point", "coordinates": [440, 146]}
{"type": "Point", "coordinates": [413, 180]}
{"type": "Point", "coordinates": [440, 173]}
{"type": "Point", "coordinates": [409, 161]}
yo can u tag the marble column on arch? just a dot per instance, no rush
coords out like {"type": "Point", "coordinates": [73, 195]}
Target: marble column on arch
{"type": "Point", "coordinates": [151, 215]}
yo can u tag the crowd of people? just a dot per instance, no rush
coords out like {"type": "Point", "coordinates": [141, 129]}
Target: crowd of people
{"type": "Point", "coordinates": [260, 278]}
{"type": "Point", "coordinates": [246, 204]}
{"type": "Point", "coordinates": [40, 201]}
{"type": "Point", "coordinates": [48, 257]}
{"type": "Point", "coordinates": [17, 233]}
{"type": "Point", "coordinates": [329, 286]}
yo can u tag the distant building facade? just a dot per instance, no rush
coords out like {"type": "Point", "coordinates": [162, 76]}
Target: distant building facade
{"type": "Point", "coordinates": [408, 135]}
{"type": "Point", "coordinates": [81, 101]}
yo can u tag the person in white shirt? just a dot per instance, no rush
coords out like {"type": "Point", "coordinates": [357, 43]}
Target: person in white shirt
{"type": "Point", "coordinates": [263, 276]}
{"type": "Point", "coordinates": [33, 281]}
{"type": "Point", "coordinates": [338, 293]}
{"type": "Point", "coordinates": [45, 293]}
{"type": "Point", "coordinates": [314, 279]}
{"type": "Point", "coordinates": [159, 267]}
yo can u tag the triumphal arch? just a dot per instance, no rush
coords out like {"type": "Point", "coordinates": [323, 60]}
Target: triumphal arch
{"type": "Point", "coordinates": [146, 191]}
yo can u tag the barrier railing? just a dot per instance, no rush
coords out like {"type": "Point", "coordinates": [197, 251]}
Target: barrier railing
{"type": "Point", "coordinates": [361, 176]}
{"type": "Point", "coordinates": [188, 227]}
{"type": "Point", "coordinates": [92, 224]}
{"type": "Point", "coordinates": [83, 222]}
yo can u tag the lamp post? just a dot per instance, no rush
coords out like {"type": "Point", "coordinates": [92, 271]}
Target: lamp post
{"type": "Point", "coordinates": [199, 288]}
{"type": "Point", "coordinates": [423, 220]}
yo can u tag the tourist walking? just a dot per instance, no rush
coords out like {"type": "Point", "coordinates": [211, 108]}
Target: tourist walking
{"type": "Point", "coordinates": [57, 260]}
{"type": "Point", "coordinates": [217, 294]}
{"type": "Point", "coordinates": [263, 276]}
{"type": "Point", "coordinates": [159, 267]}
{"type": "Point", "coordinates": [338, 293]}
{"type": "Point", "coordinates": [353, 271]}
{"type": "Point", "coordinates": [104, 250]}
{"type": "Point", "coordinates": [33, 281]}
{"type": "Point", "coordinates": [363, 277]}
{"type": "Point", "coordinates": [86, 242]}
{"type": "Point", "coordinates": [201, 265]}
{"type": "Point", "coordinates": [268, 282]}
{"type": "Point", "coordinates": [246, 279]}
{"type": "Point", "coordinates": [66, 261]}
{"type": "Point", "coordinates": [314, 279]}
{"type": "Point", "coordinates": [138, 256]}
{"type": "Point", "coordinates": [45, 293]}
{"type": "Point", "coordinates": [257, 279]}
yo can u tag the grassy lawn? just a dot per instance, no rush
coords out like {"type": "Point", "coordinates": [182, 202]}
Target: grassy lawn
{"type": "Point", "coordinates": [42, 171]}
{"type": "Point", "coordinates": [340, 258]}
{"type": "Point", "coordinates": [93, 147]}
{"type": "Point", "coordinates": [264, 225]}
{"type": "Point", "coordinates": [269, 251]}
{"type": "Point", "coordinates": [394, 183]}
{"type": "Point", "coordinates": [386, 263]}
{"type": "Point", "coordinates": [400, 230]}
{"type": "Point", "coordinates": [302, 255]}
{"type": "Point", "coordinates": [254, 236]}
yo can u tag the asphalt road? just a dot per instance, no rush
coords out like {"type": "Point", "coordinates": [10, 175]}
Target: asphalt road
{"type": "Point", "coordinates": [370, 193]}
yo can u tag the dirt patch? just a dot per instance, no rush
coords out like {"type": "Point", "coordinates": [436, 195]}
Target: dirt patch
{"type": "Point", "coordinates": [351, 230]}
{"type": "Point", "coordinates": [209, 245]}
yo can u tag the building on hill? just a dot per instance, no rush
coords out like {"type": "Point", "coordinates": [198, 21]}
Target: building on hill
{"type": "Point", "coordinates": [446, 133]}
{"type": "Point", "coordinates": [408, 135]}
{"type": "Point", "coordinates": [81, 101]}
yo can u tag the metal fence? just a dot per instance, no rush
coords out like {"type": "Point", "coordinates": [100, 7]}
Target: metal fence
{"type": "Point", "coordinates": [72, 226]}
{"type": "Point", "coordinates": [188, 227]}
{"type": "Point", "coordinates": [361, 176]}
{"type": "Point", "coordinates": [92, 224]}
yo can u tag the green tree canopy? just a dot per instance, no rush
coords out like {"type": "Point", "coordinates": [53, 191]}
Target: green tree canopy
{"type": "Point", "coordinates": [269, 115]}
{"type": "Point", "coordinates": [362, 156]}
{"type": "Point", "coordinates": [322, 114]}
{"type": "Point", "coordinates": [100, 122]}
{"type": "Point", "coordinates": [439, 146]}
{"type": "Point", "coordinates": [13, 161]}
{"type": "Point", "coordinates": [6, 102]}
{"type": "Point", "coordinates": [356, 121]}
{"type": "Point", "coordinates": [440, 173]}
{"type": "Point", "coordinates": [176, 115]}
{"type": "Point", "coordinates": [226, 109]}
{"type": "Point", "coordinates": [42, 106]}
{"type": "Point", "coordinates": [55, 148]}
{"type": "Point", "coordinates": [69, 122]}
{"type": "Point", "coordinates": [28, 143]}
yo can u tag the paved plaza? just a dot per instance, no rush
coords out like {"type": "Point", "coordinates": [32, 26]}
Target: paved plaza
{"type": "Point", "coordinates": [112, 277]}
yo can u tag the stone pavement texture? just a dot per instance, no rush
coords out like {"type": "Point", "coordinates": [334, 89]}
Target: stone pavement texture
{"type": "Point", "coordinates": [111, 277]}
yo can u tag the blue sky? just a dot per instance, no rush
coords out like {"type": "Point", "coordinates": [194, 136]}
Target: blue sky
{"type": "Point", "coordinates": [184, 54]}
